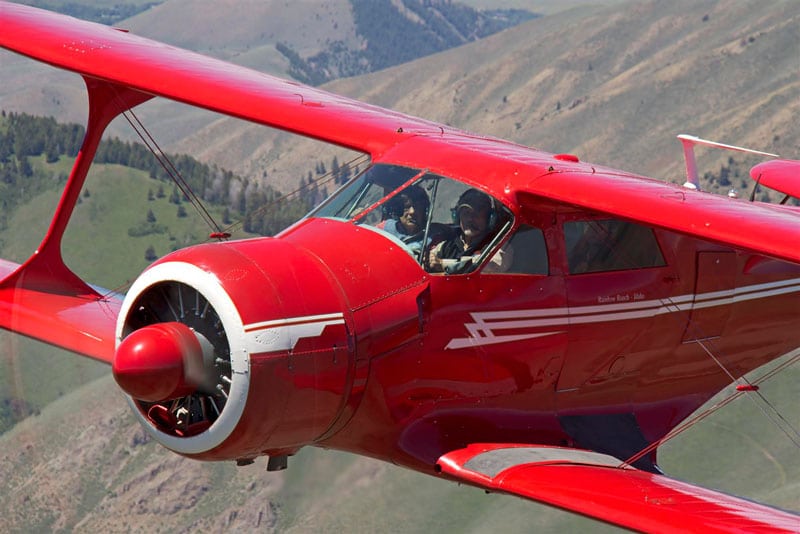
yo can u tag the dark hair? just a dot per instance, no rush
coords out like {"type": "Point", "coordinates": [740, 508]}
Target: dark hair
{"type": "Point", "coordinates": [415, 194]}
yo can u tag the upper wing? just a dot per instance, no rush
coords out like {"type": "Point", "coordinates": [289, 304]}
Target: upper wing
{"type": "Point", "coordinates": [779, 174]}
{"type": "Point", "coordinates": [592, 484]}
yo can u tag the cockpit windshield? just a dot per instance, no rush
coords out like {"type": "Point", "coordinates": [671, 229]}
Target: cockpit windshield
{"type": "Point", "coordinates": [444, 224]}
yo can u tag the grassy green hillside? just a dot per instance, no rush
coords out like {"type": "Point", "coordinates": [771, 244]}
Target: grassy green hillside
{"type": "Point", "coordinates": [749, 447]}
{"type": "Point", "coordinates": [97, 244]}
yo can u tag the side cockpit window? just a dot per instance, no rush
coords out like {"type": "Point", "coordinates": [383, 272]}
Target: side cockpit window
{"type": "Point", "coordinates": [447, 226]}
{"type": "Point", "coordinates": [610, 245]}
{"type": "Point", "coordinates": [477, 223]}
{"type": "Point", "coordinates": [365, 191]}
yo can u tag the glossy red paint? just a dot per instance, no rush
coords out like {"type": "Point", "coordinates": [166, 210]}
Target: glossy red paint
{"type": "Point", "coordinates": [629, 356]}
{"type": "Point", "coordinates": [156, 362]}
{"type": "Point", "coordinates": [780, 175]}
{"type": "Point", "coordinates": [630, 498]}
{"type": "Point", "coordinates": [332, 334]}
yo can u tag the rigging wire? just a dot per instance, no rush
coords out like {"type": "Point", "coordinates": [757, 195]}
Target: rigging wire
{"type": "Point", "coordinates": [217, 232]}
{"type": "Point", "coordinates": [296, 193]}
{"type": "Point", "coordinates": [712, 409]}
{"type": "Point", "coordinates": [770, 411]}
{"type": "Point", "coordinates": [169, 168]}
{"type": "Point", "coordinates": [175, 175]}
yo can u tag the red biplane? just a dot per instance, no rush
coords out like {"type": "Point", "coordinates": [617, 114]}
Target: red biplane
{"type": "Point", "coordinates": [516, 320]}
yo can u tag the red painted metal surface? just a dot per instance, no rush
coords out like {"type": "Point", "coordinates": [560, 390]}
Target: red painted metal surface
{"type": "Point", "coordinates": [780, 174]}
{"type": "Point", "coordinates": [642, 501]}
{"type": "Point", "coordinates": [337, 337]}
{"type": "Point", "coordinates": [83, 324]}
{"type": "Point", "coordinates": [155, 362]}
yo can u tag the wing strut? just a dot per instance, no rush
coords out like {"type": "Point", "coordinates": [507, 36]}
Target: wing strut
{"type": "Point", "coordinates": [43, 298]}
{"type": "Point", "coordinates": [45, 269]}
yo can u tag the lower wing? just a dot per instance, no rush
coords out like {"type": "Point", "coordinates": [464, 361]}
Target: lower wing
{"type": "Point", "coordinates": [597, 486]}
{"type": "Point", "coordinates": [68, 315]}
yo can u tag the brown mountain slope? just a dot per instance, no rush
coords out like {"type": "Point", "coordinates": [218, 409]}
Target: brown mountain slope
{"type": "Point", "coordinates": [84, 464]}
{"type": "Point", "coordinates": [245, 31]}
{"type": "Point", "coordinates": [614, 86]}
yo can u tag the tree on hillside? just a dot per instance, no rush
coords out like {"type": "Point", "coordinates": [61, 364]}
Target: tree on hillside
{"type": "Point", "coordinates": [52, 150]}
{"type": "Point", "coordinates": [335, 170]}
{"type": "Point", "coordinates": [175, 197]}
{"type": "Point", "coordinates": [24, 166]}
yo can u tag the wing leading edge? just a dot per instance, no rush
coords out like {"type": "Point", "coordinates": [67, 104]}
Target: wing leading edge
{"type": "Point", "coordinates": [594, 485]}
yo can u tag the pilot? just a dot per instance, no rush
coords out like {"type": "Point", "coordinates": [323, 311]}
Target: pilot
{"type": "Point", "coordinates": [406, 214]}
{"type": "Point", "coordinates": [477, 220]}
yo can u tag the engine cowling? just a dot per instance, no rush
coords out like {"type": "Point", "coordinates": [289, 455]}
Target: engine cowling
{"type": "Point", "coordinates": [233, 350]}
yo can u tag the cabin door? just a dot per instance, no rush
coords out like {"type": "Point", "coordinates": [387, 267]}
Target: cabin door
{"type": "Point", "coordinates": [713, 295]}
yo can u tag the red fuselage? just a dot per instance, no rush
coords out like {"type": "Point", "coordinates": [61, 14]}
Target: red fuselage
{"type": "Point", "coordinates": [602, 344]}
{"type": "Point", "coordinates": [415, 364]}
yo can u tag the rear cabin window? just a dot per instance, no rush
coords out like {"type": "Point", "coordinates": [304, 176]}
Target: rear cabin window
{"type": "Point", "coordinates": [529, 252]}
{"type": "Point", "coordinates": [610, 245]}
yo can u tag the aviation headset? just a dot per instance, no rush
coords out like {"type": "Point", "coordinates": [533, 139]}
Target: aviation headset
{"type": "Point", "coordinates": [476, 200]}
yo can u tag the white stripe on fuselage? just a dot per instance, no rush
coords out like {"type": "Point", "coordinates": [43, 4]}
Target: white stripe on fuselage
{"type": "Point", "coordinates": [283, 334]}
{"type": "Point", "coordinates": [486, 325]}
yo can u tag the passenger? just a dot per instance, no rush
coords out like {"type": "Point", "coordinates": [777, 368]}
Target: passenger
{"type": "Point", "coordinates": [477, 222]}
{"type": "Point", "coordinates": [406, 214]}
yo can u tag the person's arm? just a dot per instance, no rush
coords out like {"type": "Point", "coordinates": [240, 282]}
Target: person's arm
{"type": "Point", "coordinates": [501, 260]}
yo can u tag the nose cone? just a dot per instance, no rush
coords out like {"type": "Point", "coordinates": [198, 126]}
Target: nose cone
{"type": "Point", "coordinates": [152, 363]}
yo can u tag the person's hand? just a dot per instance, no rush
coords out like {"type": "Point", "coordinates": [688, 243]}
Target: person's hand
{"type": "Point", "coordinates": [435, 262]}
